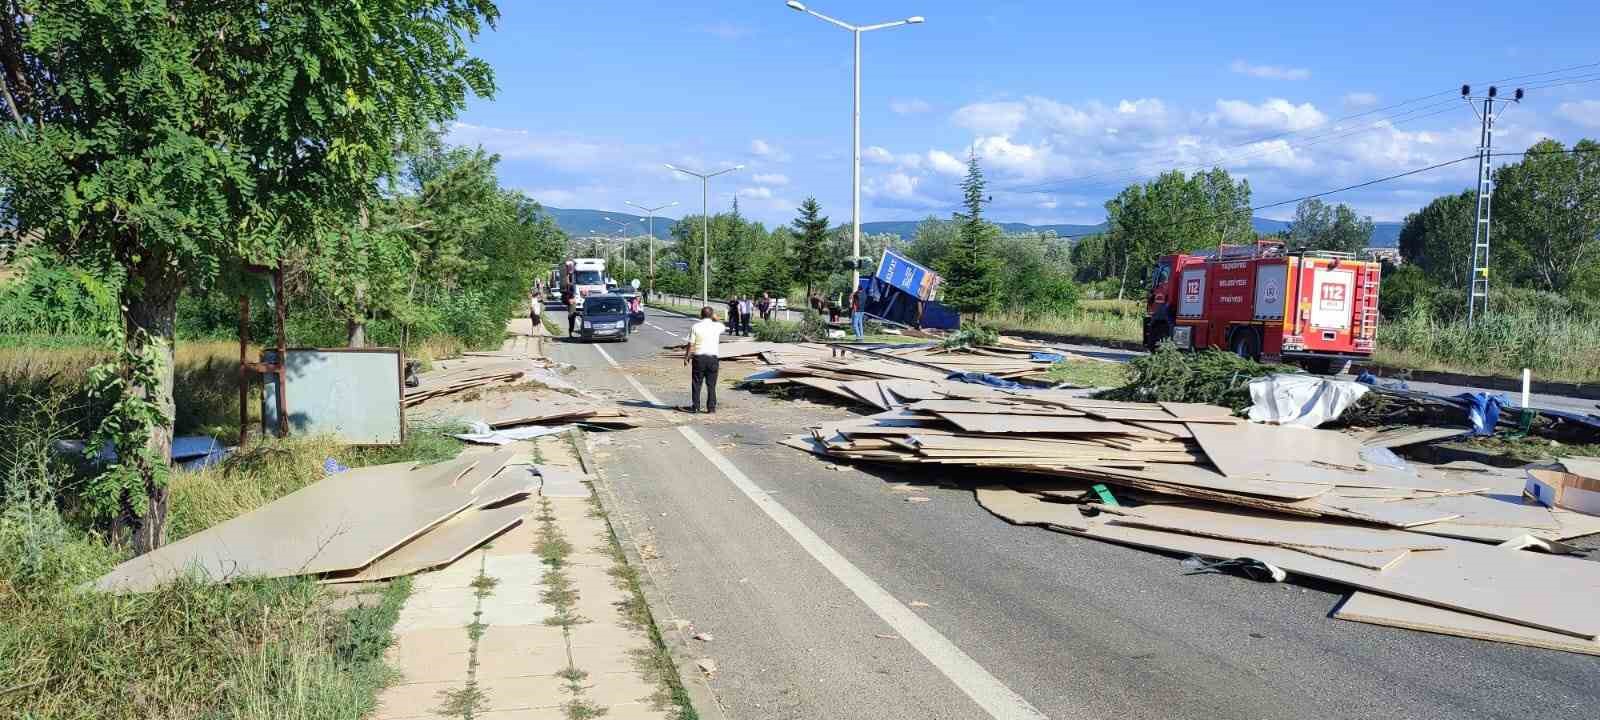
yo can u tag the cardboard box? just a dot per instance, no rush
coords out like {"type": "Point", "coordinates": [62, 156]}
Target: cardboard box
{"type": "Point", "coordinates": [1554, 488]}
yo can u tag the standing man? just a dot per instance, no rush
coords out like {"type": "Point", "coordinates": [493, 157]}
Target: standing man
{"type": "Point", "coordinates": [535, 309]}
{"type": "Point", "coordinates": [733, 314]}
{"type": "Point", "coordinates": [570, 300]}
{"type": "Point", "coordinates": [702, 353]}
{"type": "Point", "coordinates": [765, 305]}
{"type": "Point", "coordinates": [747, 311]}
{"type": "Point", "coordinates": [857, 317]}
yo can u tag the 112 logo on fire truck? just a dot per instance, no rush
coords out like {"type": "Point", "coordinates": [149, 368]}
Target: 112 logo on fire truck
{"type": "Point", "coordinates": [1191, 290]}
{"type": "Point", "coordinates": [1332, 297]}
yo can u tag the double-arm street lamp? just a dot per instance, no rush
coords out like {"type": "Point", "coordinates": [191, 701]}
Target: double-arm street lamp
{"type": "Point", "coordinates": [622, 229]}
{"type": "Point", "coordinates": [650, 214]}
{"type": "Point", "coordinates": [855, 166]}
{"type": "Point", "coordinates": [705, 226]}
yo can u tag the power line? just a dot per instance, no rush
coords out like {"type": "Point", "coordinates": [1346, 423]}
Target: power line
{"type": "Point", "coordinates": [1060, 184]}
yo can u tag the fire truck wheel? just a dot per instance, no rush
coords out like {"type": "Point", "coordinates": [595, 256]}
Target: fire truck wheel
{"type": "Point", "coordinates": [1246, 344]}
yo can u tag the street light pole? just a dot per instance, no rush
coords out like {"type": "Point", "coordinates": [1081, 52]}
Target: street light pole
{"type": "Point", "coordinates": [650, 214]}
{"type": "Point", "coordinates": [622, 229]}
{"type": "Point", "coordinates": [705, 226]}
{"type": "Point", "coordinates": [855, 155]}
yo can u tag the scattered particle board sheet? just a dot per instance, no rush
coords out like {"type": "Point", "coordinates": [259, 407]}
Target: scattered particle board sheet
{"type": "Point", "coordinates": [982, 423]}
{"type": "Point", "coordinates": [1401, 437]}
{"type": "Point", "coordinates": [1579, 465]}
{"type": "Point", "coordinates": [513, 481]}
{"type": "Point", "coordinates": [992, 408]}
{"type": "Point", "coordinates": [561, 482]}
{"type": "Point", "coordinates": [1205, 478]}
{"type": "Point", "coordinates": [1020, 508]}
{"type": "Point", "coordinates": [1273, 452]}
{"type": "Point", "coordinates": [1541, 591]}
{"type": "Point", "coordinates": [1393, 612]}
{"type": "Point", "coordinates": [1494, 510]}
{"type": "Point", "coordinates": [1198, 411]}
{"type": "Point", "coordinates": [1262, 529]}
{"type": "Point", "coordinates": [442, 545]}
{"type": "Point", "coordinates": [342, 522]}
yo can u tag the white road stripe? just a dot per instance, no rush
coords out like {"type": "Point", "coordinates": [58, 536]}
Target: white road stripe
{"type": "Point", "coordinates": [607, 356]}
{"type": "Point", "coordinates": [999, 701]}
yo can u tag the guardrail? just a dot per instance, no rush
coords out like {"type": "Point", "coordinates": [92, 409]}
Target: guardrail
{"type": "Point", "coordinates": [721, 306]}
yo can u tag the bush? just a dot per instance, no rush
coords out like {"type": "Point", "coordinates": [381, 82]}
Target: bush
{"type": "Point", "coordinates": [1208, 376]}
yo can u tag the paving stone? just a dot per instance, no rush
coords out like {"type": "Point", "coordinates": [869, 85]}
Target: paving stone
{"type": "Point", "coordinates": [595, 634]}
{"type": "Point", "coordinates": [453, 597]}
{"type": "Point", "coordinates": [619, 688]}
{"type": "Point", "coordinates": [521, 661]}
{"type": "Point", "coordinates": [517, 693]}
{"type": "Point", "coordinates": [435, 642]}
{"type": "Point", "coordinates": [413, 700]}
{"type": "Point", "coordinates": [634, 711]}
{"type": "Point", "coordinates": [458, 574]}
{"type": "Point", "coordinates": [608, 658]}
{"type": "Point", "coordinates": [519, 540]}
{"type": "Point", "coordinates": [509, 638]}
{"type": "Point", "coordinates": [548, 713]}
{"type": "Point", "coordinates": [514, 612]}
{"type": "Point", "coordinates": [432, 619]}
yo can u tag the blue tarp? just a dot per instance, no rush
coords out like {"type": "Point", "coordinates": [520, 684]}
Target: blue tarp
{"type": "Point", "coordinates": [1049, 357]}
{"type": "Point", "coordinates": [1483, 411]}
{"type": "Point", "coordinates": [978, 378]}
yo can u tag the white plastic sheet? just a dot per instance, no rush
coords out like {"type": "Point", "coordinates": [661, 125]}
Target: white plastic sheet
{"type": "Point", "coordinates": [482, 434]}
{"type": "Point", "coordinates": [1301, 400]}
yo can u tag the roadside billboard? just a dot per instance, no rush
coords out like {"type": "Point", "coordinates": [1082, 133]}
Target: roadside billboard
{"type": "Point", "coordinates": [899, 272]}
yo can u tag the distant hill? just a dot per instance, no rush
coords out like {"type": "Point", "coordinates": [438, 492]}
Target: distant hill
{"type": "Point", "coordinates": [593, 222]}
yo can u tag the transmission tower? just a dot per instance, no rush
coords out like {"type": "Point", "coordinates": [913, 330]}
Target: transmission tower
{"type": "Point", "coordinates": [1478, 281]}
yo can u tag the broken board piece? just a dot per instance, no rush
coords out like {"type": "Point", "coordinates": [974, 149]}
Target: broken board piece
{"type": "Point", "coordinates": [442, 545]}
{"type": "Point", "coordinates": [1377, 609]}
{"type": "Point", "coordinates": [1246, 526]}
{"type": "Point", "coordinates": [1020, 508]}
{"type": "Point", "coordinates": [975, 422]}
{"type": "Point", "coordinates": [486, 466]}
{"type": "Point", "coordinates": [1541, 591]}
{"type": "Point", "coordinates": [1401, 437]}
{"type": "Point", "coordinates": [1271, 452]}
{"type": "Point", "coordinates": [512, 481]}
{"type": "Point", "coordinates": [1197, 411]}
{"type": "Point", "coordinates": [342, 522]}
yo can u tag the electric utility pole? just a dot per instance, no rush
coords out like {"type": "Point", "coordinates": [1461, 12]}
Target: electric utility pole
{"type": "Point", "coordinates": [1478, 281]}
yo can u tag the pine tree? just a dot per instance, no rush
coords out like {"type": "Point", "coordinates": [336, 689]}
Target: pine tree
{"type": "Point", "coordinates": [972, 273]}
{"type": "Point", "coordinates": [809, 256]}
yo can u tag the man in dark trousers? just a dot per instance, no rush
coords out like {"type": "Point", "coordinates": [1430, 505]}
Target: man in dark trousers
{"type": "Point", "coordinates": [733, 314]}
{"type": "Point", "coordinates": [570, 300]}
{"type": "Point", "coordinates": [702, 355]}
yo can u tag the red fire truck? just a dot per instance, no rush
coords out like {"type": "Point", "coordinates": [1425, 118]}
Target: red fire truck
{"type": "Point", "coordinates": [1317, 309]}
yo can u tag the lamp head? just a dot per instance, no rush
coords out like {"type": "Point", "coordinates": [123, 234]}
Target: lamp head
{"type": "Point", "coordinates": [916, 20]}
{"type": "Point", "coordinates": [795, 5]}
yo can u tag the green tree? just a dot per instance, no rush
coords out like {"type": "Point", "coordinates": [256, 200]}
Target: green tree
{"type": "Point", "coordinates": [1438, 238]}
{"type": "Point", "coordinates": [1173, 213]}
{"type": "Point", "coordinates": [809, 252]}
{"type": "Point", "coordinates": [1320, 226]}
{"type": "Point", "coordinates": [971, 271]}
{"type": "Point", "coordinates": [160, 143]}
{"type": "Point", "coordinates": [1547, 207]}
{"type": "Point", "coordinates": [1089, 258]}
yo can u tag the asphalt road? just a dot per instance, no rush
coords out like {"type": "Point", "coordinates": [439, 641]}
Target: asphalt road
{"type": "Point", "coordinates": [1074, 627]}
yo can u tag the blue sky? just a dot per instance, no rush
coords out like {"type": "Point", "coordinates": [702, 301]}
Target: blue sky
{"type": "Point", "coordinates": [1064, 102]}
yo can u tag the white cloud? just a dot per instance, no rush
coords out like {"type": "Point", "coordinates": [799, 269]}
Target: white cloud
{"type": "Point", "coordinates": [899, 185]}
{"type": "Point", "coordinates": [755, 192]}
{"type": "Point", "coordinates": [1585, 113]}
{"type": "Point", "coordinates": [568, 153]}
{"type": "Point", "coordinates": [1358, 100]}
{"type": "Point", "coordinates": [946, 164]}
{"type": "Point", "coordinates": [875, 154]}
{"type": "Point", "coordinates": [1274, 114]}
{"type": "Point", "coordinates": [909, 106]}
{"type": "Point", "coordinates": [992, 118]}
{"type": "Point", "coordinates": [1019, 159]}
{"type": "Point", "coordinates": [725, 30]}
{"type": "Point", "coordinates": [764, 149]}
{"type": "Point", "coordinates": [770, 179]}
{"type": "Point", "coordinates": [1269, 72]}
{"type": "Point", "coordinates": [554, 197]}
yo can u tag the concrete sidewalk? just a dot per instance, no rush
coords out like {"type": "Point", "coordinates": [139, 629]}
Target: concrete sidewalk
{"type": "Point", "coordinates": [534, 625]}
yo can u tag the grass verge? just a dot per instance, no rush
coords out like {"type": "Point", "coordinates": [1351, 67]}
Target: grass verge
{"type": "Point", "coordinates": [1090, 373]}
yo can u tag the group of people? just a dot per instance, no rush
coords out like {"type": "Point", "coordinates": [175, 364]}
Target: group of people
{"type": "Point", "coordinates": [743, 309]}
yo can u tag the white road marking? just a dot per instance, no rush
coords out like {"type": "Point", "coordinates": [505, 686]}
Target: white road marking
{"type": "Point", "coordinates": [999, 701]}
{"type": "Point", "coordinates": [662, 329]}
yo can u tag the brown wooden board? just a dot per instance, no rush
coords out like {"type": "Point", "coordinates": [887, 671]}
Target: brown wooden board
{"type": "Point", "coordinates": [975, 422]}
{"type": "Point", "coordinates": [442, 545]}
{"type": "Point", "coordinates": [342, 522]}
{"type": "Point", "coordinates": [1377, 609]}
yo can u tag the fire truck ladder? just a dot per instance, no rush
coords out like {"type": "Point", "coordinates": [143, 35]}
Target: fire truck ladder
{"type": "Point", "coordinates": [1367, 322]}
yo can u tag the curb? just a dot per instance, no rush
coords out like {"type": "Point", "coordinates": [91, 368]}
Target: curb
{"type": "Point", "coordinates": [1492, 382]}
{"type": "Point", "coordinates": [701, 697]}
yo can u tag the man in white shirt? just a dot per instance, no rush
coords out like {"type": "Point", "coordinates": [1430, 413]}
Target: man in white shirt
{"type": "Point", "coordinates": [702, 353]}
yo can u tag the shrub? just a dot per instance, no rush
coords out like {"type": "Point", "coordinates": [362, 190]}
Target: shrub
{"type": "Point", "coordinates": [1208, 376]}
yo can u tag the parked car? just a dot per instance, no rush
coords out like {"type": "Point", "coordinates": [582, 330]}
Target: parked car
{"type": "Point", "coordinates": [605, 317]}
